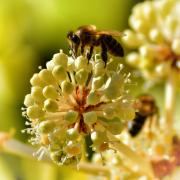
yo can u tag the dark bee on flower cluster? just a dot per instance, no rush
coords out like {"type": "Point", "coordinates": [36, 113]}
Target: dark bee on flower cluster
{"type": "Point", "coordinates": [147, 109]}
{"type": "Point", "coordinates": [89, 36]}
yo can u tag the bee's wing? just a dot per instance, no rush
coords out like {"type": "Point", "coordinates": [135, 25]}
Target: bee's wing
{"type": "Point", "coordinates": [110, 32]}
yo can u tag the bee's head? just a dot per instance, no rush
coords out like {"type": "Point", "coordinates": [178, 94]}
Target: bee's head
{"type": "Point", "coordinates": [73, 37]}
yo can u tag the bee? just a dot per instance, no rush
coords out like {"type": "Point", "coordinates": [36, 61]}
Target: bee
{"type": "Point", "coordinates": [147, 109]}
{"type": "Point", "coordinates": [89, 36]}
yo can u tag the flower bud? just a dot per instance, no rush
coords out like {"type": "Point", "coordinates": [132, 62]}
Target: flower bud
{"type": "Point", "coordinates": [36, 81]}
{"type": "Point", "coordinates": [56, 156]}
{"type": "Point", "coordinates": [163, 69]}
{"type": "Point", "coordinates": [46, 76]}
{"type": "Point", "coordinates": [146, 63]}
{"type": "Point", "coordinates": [132, 39]}
{"type": "Point", "coordinates": [112, 93]}
{"type": "Point", "coordinates": [60, 59]}
{"type": "Point", "coordinates": [137, 10]}
{"type": "Point", "coordinates": [59, 73]}
{"type": "Point", "coordinates": [101, 147]}
{"type": "Point", "coordinates": [114, 125]}
{"type": "Point", "coordinates": [99, 69]}
{"type": "Point", "coordinates": [90, 117]}
{"type": "Point", "coordinates": [98, 137]}
{"type": "Point", "coordinates": [50, 92]}
{"type": "Point", "coordinates": [114, 86]}
{"type": "Point", "coordinates": [71, 116]}
{"type": "Point", "coordinates": [81, 76]}
{"type": "Point", "coordinates": [50, 105]}
{"type": "Point", "coordinates": [73, 149]}
{"type": "Point", "coordinates": [155, 35]}
{"type": "Point", "coordinates": [148, 11]}
{"type": "Point", "coordinates": [147, 51]}
{"type": "Point", "coordinates": [99, 127]}
{"type": "Point", "coordinates": [50, 65]}
{"type": "Point", "coordinates": [36, 93]}
{"type": "Point", "coordinates": [109, 112]}
{"type": "Point", "coordinates": [28, 100]}
{"type": "Point", "coordinates": [58, 136]}
{"type": "Point", "coordinates": [71, 65]}
{"type": "Point", "coordinates": [99, 141]}
{"type": "Point", "coordinates": [72, 134]}
{"type": "Point", "coordinates": [116, 160]}
{"type": "Point", "coordinates": [117, 80]}
{"type": "Point", "coordinates": [81, 62]}
{"type": "Point", "coordinates": [163, 7]}
{"type": "Point", "coordinates": [133, 59]}
{"type": "Point", "coordinates": [34, 112]}
{"type": "Point", "coordinates": [138, 24]}
{"type": "Point", "coordinates": [71, 160]}
{"type": "Point", "coordinates": [46, 126]}
{"type": "Point", "coordinates": [126, 113]}
{"type": "Point", "coordinates": [97, 158]}
{"type": "Point", "coordinates": [97, 82]}
{"type": "Point", "coordinates": [67, 87]}
{"type": "Point", "coordinates": [93, 98]}
{"type": "Point", "coordinates": [170, 23]}
{"type": "Point", "coordinates": [176, 46]}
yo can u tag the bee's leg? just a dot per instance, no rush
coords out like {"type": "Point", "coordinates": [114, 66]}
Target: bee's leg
{"type": "Point", "coordinates": [89, 54]}
{"type": "Point", "coordinates": [71, 50]}
{"type": "Point", "coordinates": [104, 52]}
{"type": "Point", "coordinates": [82, 49]}
{"type": "Point", "coordinates": [76, 47]}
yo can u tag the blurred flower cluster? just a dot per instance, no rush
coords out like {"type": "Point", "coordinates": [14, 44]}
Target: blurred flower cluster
{"type": "Point", "coordinates": [155, 38]}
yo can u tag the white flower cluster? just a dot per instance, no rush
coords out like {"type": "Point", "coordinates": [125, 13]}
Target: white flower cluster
{"type": "Point", "coordinates": [73, 98]}
{"type": "Point", "coordinates": [155, 37]}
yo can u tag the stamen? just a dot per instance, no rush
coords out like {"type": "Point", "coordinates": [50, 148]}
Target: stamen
{"type": "Point", "coordinates": [72, 78]}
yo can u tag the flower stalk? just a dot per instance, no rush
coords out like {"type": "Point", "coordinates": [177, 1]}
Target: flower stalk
{"type": "Point", "coordinates": [15, 147]}
{"type": "Point", "coordinates": [170, 99]}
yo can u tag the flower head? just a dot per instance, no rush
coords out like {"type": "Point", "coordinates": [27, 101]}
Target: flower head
{"type": "Point", "coordinates": [73, 98]}
{"type": "Point", "coordinates": [155, 34]}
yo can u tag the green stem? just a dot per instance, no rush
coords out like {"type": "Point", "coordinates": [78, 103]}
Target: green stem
{"type": "Point", "coordinates": [17, 148]}
{"type": "Point", "coordinates": [94, 169]}
{"type": "Point", "coordinates": [136, 160]}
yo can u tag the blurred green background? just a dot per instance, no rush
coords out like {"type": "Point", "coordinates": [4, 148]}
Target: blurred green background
{"type": "Point", "coordinates": [30, 33]}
